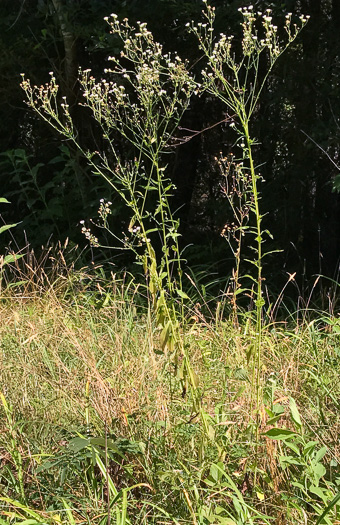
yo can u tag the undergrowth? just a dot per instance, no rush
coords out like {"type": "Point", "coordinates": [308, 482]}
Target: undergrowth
{"type": "Point", "coordinates": [95, 426]}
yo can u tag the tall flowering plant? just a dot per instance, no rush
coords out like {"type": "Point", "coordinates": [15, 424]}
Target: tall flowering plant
{"type": "Point", "coordinates": [142, 97]}
{"type": "Point", "coordinates": [232, 75]}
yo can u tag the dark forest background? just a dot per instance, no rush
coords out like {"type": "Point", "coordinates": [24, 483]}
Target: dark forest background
{"type": "Point", "coordinates": [51, 189]}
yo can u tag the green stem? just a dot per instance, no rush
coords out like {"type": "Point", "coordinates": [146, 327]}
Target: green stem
{"type": "Point", "coordinates": [258, 295]}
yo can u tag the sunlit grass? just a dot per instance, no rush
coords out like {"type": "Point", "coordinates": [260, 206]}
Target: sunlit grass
{"type": "Point", "coordinates": [71, 367]}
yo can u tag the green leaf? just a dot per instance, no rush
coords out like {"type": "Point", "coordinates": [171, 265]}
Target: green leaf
{"type": "Point", "coordinates": [274, 420]}
{"type": "Point", "coordinates": [270, 252]}
{"type": "Point", "coordinates": [278, 410]}
{"type": "Point", "coordinates": [109, 443]}
{"type": "Point", "coordinates": [279, 433]}
{"type": "Point", "coordinates": [317, 491]}
{"type": "Point", "coordinates": [268, 233]}
{"type": "Point", "coordinates": [215, 473]}
{"type": "Point", "coordinates": [288, 460]}
{"type": "Point", "coordinates": [260, 302]}
{"type": "Point", "coordinates": [299, 486]}
{"type": "Point", "coordinates": [260, 495]}
{"type": "Point", "coordinates": [293, 447]}
{"type": "Point", "coordinates": [68, 512]}
{"type": "Point", "coordinates": [7, 227]}
{"type": "Point", "coordinates": [294, 412]}
{"type": "Point", "coordinates": [46, 466]}
{"type": "Point", "coordinates": [217, 470]}
{"type": "Point", "coordinates": [241, 374]}
{"type": "Point", "coordinates": [241, 290]}
{"type": "Point", "coordinates": [56, 159]}
{"type": "Point", "coordinates": [211, 433]}
{"type": "Point", "coordinates": [165, 335]}
{"type": "Point", "coordinates": [309, 447]}
{"type": "Point", "coordinates": [269, 412]}
{"type": "Point", "coordinates": [182, 294]}
{"type": "Point", "coordinates": [16, 284]}
{"type": "Point", "coordinates": [320, 454]}
{"type": "Point", "coordinates": [4, 201]}
{"type": "Point", "coordinates": [250, 352]}
{"type": "Point", "coordinates": [11, 258]}
{"type": "Point", "coordinates": [319, 471]}
{"type": "Point", "coordinates": [151, 231]}
{"type": "Point", "coordinates": [77, 444]}
{"type": "Point", "coordinates": [172, 235]}
{"type": "Point", "coordinates": [250, 276]}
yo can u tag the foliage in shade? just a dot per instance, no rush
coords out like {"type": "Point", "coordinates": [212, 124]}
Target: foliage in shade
{"type": "Point", "coordinates": [301, 95]}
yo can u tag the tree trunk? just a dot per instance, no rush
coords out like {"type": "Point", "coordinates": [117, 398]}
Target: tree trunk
{"type": "Point", "coordinates": [70, 61]}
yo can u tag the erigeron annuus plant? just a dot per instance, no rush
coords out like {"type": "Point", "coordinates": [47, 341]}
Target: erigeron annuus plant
{"type": "Point", "coordinates": [142, 97]}
{"type": "Point", "coordinates": [232, 75]}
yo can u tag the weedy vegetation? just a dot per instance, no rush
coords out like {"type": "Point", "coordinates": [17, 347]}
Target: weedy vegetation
{"type": "Point", "coordinates": [144, 401]}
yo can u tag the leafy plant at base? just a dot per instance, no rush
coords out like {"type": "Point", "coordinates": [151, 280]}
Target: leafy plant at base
{"type": "Point", "coordinates": [302, 458]}
{"type": "Point", "coordinates": [28, 516]}
{"type": "Point", "coordinates": [238, 83]}
{"type": "Point", "coordinates": [89, 457]}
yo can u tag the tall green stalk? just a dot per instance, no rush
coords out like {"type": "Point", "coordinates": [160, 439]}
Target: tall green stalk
{"type": "Point", "coordinates": [259, 298]}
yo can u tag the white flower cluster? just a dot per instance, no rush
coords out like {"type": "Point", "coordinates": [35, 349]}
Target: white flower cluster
{"type": "Point", "coordinates": [137, 233]}
{"type": "Point", "coordinates": [157, 84]}
{"type": "Point", "coordinates": [259, 33]}
{"type": "Point", "coordinates": [293, 29]}
{"type": "Point", "coordinates": [104, 209]}
{"type": "Point", "coordinates": [252, 43]}
{"type": "Point", "coordinates": [249, 40]}
{"type": "Point", "coordinates": [105, 98]}
{"type": "Point", "coordinates": [221, 52]}
{"type": "Point", "coordinates": [89, 236]}
{"type": "Point", "coordinates": [44, 100]}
